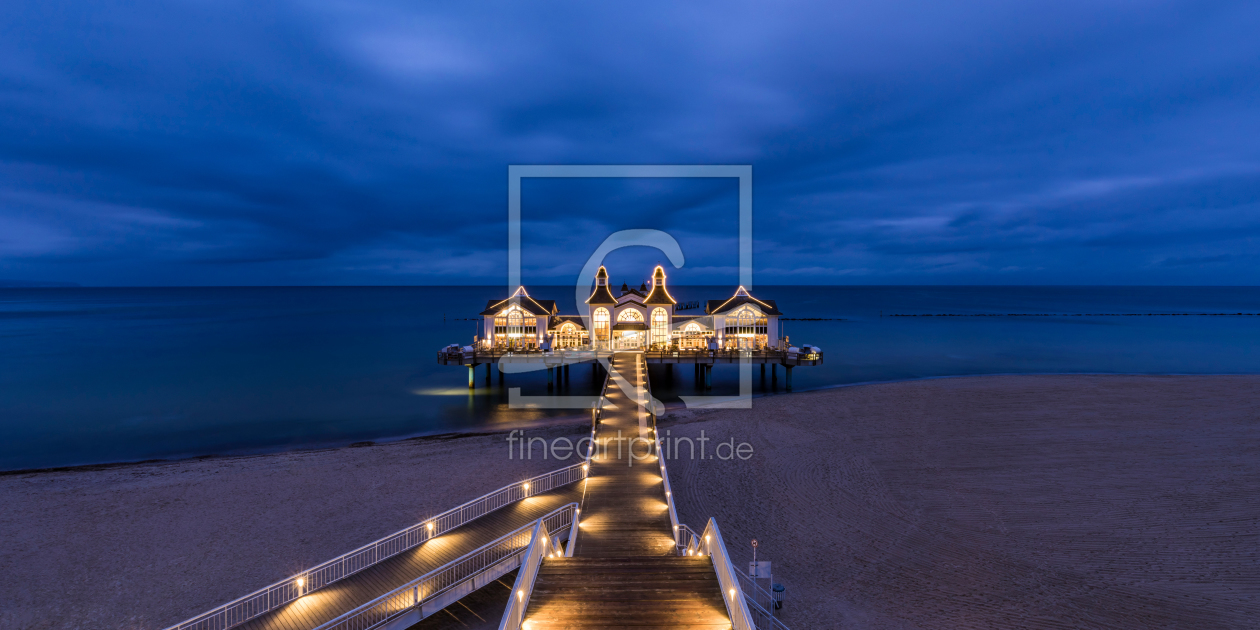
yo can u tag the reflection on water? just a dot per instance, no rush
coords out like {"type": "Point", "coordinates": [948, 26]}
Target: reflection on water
{"type": "Point", "coordinates": [93, 375]}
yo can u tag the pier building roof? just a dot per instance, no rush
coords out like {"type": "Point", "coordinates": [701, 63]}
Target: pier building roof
{"type": "Point", "coordinates": [659, 294]}
{"type": "Point", "coordinates": [528, 304]}
{"type": "Point", "coordinates": [741, 297]}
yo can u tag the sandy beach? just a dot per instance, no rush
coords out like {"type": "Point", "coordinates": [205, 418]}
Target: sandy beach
{"type": "Point", "coordinates": [997, 502]}
{"type": "Point", "coordinates": [987, 502]}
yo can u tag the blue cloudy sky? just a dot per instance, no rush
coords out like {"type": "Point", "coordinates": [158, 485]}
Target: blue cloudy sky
{"type": "Point", "coordinates": [892, 141]}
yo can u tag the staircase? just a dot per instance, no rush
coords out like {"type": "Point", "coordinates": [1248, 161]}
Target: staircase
{"type": "Point", "coordinates": [627, 593]}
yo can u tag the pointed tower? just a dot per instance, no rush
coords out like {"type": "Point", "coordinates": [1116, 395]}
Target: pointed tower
{"type": "Point", "coordinates": [601, 295]}
{"type": "Point", "coordinates": [660, 306]}
{"type": "Point", "coordinates": [659, 295]}
{"type": "Point", "coordinates": [600, 304]}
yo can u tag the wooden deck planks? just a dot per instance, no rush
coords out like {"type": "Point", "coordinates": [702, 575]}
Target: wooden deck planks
{"type": "Point", "coordinates": [331, 601]}
{"type": "Point", "coordinates": [626, 573]}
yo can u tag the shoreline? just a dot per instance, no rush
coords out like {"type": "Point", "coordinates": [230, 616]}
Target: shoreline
{"type": "Point", "coordinates": [560, 421]}
{"type": "Point", "coordinates": [1039, 501]}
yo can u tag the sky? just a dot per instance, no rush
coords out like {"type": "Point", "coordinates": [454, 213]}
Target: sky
{"type": "Point", "coordinates": [367, 143]}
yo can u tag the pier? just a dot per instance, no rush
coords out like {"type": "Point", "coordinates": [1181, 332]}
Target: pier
{"type": "Point", "coordinates": [557, 360]}
{"type": "Point", "coordinates": [532, 334]}
{"type": "Point", "coordinates": [596, 544]}
{"type": "Point", "coordinates": [626, 570]}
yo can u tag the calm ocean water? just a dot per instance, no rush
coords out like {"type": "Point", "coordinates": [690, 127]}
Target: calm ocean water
{"type": "Point", "coordinates": [105, 375]}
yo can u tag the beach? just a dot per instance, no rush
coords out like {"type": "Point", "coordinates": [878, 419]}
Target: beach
{"type": "Point", "coordinates": [977, 502]}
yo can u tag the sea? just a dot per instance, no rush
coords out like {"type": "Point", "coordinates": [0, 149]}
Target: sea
{"type": "Point", "coordinates": [105, 375]}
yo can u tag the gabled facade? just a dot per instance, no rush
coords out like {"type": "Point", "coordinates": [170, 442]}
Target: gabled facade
{"type": "Point", "coordinates": [744, 322]}
{"type": "Point", "coordinates": [642, 318]}
{"type": "Point", "coordinates": [568, 331]}
{"type": "Point", "coordinates": [519, 322]}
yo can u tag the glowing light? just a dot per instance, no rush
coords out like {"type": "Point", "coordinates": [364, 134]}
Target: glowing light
{"type": "Point", "coordinates": [520, 595]}
{"type": "Point", "coordinates": [300, 582]}
{"type": "Point", "coordinates": [526, 485]}
{"type": "Point", "coordinates": [732, 593]}
{"type": "Point", "coordinates": [430, 526]}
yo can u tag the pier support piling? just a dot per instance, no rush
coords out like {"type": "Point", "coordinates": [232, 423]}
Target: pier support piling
{"type": "Point", "coordinates": [489, 368]}
{"type": "Point", "coordinates": [472, 375]}
{"type": "Point", "coordinates": [708, 377]}
{"type": "Point", "coordinates": [551, 378]}
{"type": "Point", "coordinates": [788, 369]}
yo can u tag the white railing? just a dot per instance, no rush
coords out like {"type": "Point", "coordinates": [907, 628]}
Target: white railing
{"type": "Point", "coordinates": [434, 584]}
{"type": "Point", "coordinates": [272, 597]}
{"type": "Point", "coordinates": [711, 544]}
{"type": "Point", "coordinates": [539, 547]}
{"type": "Point", "coordinates": [689, 542]}
{"type": "Point", "coordinates": [679, 542]}
{"type": "Point", "coordinates": [760, 604]}
{"type": "Point", "coordinates": [762, 617]}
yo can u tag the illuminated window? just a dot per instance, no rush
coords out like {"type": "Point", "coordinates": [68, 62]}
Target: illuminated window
{"type": "Point", "coordinates": [660, 326]}
{"type": "Point", "coordinates": [514, 323]}
{"type": "Point", "coordinates": [630, 315]}
{"type": "Point", "coordinates": [746, 327]}
{"type": "Point", "coordinates": [601, 320]}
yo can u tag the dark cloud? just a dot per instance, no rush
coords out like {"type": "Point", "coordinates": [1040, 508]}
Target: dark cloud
{"type": "Point", "coordinates": [330, 142]}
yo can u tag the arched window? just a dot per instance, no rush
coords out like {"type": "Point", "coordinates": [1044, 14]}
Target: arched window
{"type": "Point", "coordinates": [660, 326]}
{"type": "Point", "coordinates": [693, 336]}
{"type": "Point", "coordinates": [568, 336]}
{"type": "Point", "coordinates": [601, 320]}
{"type": "Point", "coordinates": [630, 315]}
{"type": "Point", "coordinates": [747, 326]}
{"type": "Point", "coordinates": [514, 323]}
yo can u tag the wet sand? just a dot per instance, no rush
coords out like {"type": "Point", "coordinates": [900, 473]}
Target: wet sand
{"type": "Point", "coordinates": [989, 502]}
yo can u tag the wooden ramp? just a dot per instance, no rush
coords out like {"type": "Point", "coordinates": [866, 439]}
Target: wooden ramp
{"type": "Point", "coordinates": [625, 573]}
{"type": "Point", "coordinates": [335, 599]}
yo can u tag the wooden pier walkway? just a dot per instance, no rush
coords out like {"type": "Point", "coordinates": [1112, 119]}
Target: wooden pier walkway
{"type": "Point", "coordinates": [345, 595]}
{"type": "Point", "coordinates": [625, 572]}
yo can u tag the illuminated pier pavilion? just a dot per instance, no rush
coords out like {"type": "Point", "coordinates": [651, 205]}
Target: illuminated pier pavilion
{"type": "Point", "coordinates": [524, 330]}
